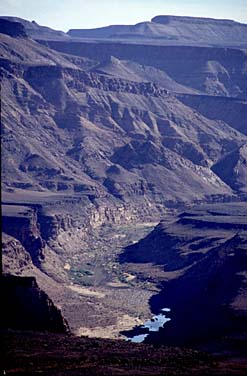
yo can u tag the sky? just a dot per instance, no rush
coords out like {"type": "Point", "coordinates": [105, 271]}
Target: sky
{"type": "Point", "coordinates": [68, 14]}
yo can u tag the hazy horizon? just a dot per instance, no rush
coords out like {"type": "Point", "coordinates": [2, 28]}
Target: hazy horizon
{"type": "Point", "coordinates": [64, 15]}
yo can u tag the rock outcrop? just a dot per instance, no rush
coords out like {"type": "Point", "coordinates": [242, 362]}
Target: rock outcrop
{"type": "Point", "coordinates": [15, 257]}
{"type": "Point", "coordinates": [21, 223]}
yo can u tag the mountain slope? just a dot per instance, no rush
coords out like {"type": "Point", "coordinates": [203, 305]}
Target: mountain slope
{"type": "Point", "coordinates": [96, 123]}
{"type": "Point", "coordinates": [213, 71]}
{"type": "Point", "coordinates": [230, 168]}
{"type": "Point", "coordinates": [129, 70]}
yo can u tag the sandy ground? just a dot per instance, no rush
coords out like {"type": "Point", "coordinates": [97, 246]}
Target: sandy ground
{"type": "Point", "coordinates": [125, 322]}
{"type": "Point", "coordinates": [116, 303]}
{"type": "Point", "coordinates": [86, 291]}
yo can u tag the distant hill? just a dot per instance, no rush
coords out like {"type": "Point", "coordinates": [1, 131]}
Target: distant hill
{"type": "Point", "coordinates": [173, 30]}
{"type": "Point", "coordinates": [161, 30]}
{"type": "Point", "coordinates": [36, 31]}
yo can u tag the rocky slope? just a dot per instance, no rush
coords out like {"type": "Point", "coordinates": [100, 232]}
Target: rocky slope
{"type": "Point", "coordinates": [105, 136]}
{"type": "Point", "coordinates": [230, 169]}
{"type": "Point", "coordinates": [214, 71]}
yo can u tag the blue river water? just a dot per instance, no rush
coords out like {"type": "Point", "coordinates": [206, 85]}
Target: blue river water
{"type": "Point", "coordinates": [153, 325]}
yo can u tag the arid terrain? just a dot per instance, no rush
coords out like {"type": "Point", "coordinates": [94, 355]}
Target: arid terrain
{"type": "Point", "coordinates": [63, 355]}
{"type": "Point", "coordinates": [124, 175]}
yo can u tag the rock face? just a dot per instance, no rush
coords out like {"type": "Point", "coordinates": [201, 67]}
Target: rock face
{"type": "Point", "coordinates": [21, 223]}
{"type": "Point", "coordinates": [231, 170]}
{"type": "Point", "coordinates": [25, 307]}
{"type": "Point", "coordinates": [233, 111]}
{"type": "Point", "coordinates": [14, 256]}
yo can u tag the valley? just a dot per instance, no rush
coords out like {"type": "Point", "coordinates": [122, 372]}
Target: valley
{"type": "Point", "coordinates": [124, 182]}
{"type": "Point", "coordinates": [84, 277]}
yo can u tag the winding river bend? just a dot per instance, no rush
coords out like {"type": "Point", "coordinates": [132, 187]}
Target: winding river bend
{"type": "Point", "coordinates": [139, 334]}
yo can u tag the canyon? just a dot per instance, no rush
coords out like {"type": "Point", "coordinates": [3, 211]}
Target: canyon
{"type": "Point", "coordinates": [124, 177]}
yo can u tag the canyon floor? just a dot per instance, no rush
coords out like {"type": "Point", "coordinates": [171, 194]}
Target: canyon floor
{"type": "Point", "coordinates": [98, 296]}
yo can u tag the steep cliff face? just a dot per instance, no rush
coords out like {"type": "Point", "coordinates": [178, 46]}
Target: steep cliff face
{"type": "Point", "coordinates": [21, 223]}
{"type": "Point", "coordinates": [25, 307]}
{"type": "Point", "coordinates": [14, 256]}
{"type": "Point", "coordinates": [31, 237]}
